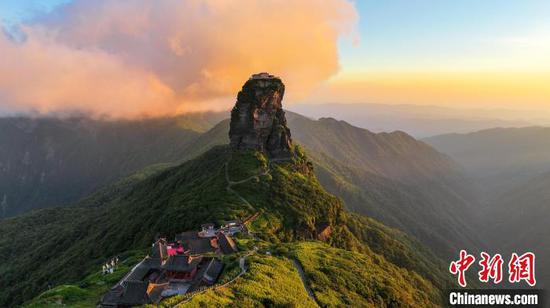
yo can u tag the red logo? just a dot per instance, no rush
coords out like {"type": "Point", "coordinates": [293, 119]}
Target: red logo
{"type": "Point", "coordinates": [461, 266]}
{"type": "Point", "coordinates": [491, 268]}
{"type": "Point", "coordinates": [520, 268]}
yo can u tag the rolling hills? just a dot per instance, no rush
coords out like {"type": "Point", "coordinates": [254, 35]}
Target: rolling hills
{"type": "Point", "coordinates": [517, 221]}
{"type": "Point", "coordinates": [70, 243]}
{"type": "Point", "coordinates": [418, 120]}
{"type": "Point", "coordinates": [499, 158]}
{"type": "Point", "coordinates": [391, 177]}
{"type": "Point", "coordinates": [511, 168]}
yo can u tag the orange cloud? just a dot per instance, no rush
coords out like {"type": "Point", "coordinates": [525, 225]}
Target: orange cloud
{"type": "Point", "coordinates": [134, 58]}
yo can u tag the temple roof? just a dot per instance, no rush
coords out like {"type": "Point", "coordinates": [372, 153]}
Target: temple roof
{"type": "Point", "coordinates": [213, 270]}
{"type": "Point", "coordinates": [194, 244]}
{"type": "Point", "coordinates": [227, 245]}
{"type": "Point", "coordinates": [181, 263]}
{"type": "Point", "coordinates": [135, 293]}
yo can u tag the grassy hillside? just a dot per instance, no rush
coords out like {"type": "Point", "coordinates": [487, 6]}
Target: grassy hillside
{"type": "Point", "coordinates": [335, 276]}
{"type": "Point", "coordinates": [71, 243]}
{"type": "Point", "coordinates": [343, 278]}
{"type": "Point", "coordinates": [270, 281]}
{"type": "Point", "coordinates": [393, 178]}
{"type": "Point", "coordinates": [86, 292]}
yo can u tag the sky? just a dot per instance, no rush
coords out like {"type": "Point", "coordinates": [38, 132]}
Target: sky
{"type": "Point", "coordinates": [140, 57]}
{"type": "Point", "coordinates": [493, 54]}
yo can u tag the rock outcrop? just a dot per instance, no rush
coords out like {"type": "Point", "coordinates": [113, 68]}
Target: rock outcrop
{"type": "Point", "coordinates": [258, 121]}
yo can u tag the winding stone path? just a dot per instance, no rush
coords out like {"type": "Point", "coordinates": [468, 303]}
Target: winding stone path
{"type": "Point", "coordinates": [231, 183]}
{"type": "Point", "coordinates": [304, 281]}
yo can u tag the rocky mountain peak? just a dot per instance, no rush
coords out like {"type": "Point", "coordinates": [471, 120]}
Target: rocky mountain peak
{"type": "Point", "coordinates": [258, 121]}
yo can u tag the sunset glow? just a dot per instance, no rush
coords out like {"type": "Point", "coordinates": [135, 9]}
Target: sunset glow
{"type": "Point", "coordinates": [124, 59]}
{"type": "Point", "coordinates": [508, 89]}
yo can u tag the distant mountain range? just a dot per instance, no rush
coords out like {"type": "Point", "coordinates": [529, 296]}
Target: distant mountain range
{"type": "Point", "coordinates": [394, 178]}
{"type": "Point", "coordinates": [499, 158]}
{"type": "Point", "coordinates": [52, 162]}
{"type": "Point", "coordinates": [69, 243]}
{"type": "Point", "coordinates": [421, 121]}
{"type": "Point", "coordinates": [391, 177]}
{"type": "Point", "coordinates": [512, 169]}
{"type": "Point", "coordinates": [388, 176]}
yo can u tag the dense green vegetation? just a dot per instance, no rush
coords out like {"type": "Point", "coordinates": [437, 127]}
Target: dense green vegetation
{"type": "Point", "coordinates": [395, 179]}
{"type": "Point", "coordinates": [391, 177]}
{"type": "Point", "coordinates": [88, 291]}
{"type": "Point", "coordinates": [71, 243]}
{"type": "Point", "coordinates": [343, 278]}
{"type": "Point", "coordinates": [270, 281]}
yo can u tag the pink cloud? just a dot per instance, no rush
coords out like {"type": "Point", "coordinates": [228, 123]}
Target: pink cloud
{"type": "Point", "coordinates": [134, 58]}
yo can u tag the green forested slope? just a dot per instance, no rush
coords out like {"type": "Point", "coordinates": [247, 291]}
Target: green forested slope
{"type": "Point", "coordinates": [391, 177]}
{"type": "Point", "coordinates": [70, 243]}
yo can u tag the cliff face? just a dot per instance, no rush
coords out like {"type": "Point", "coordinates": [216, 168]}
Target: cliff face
{"type": "Point", "coordinates": [258, 121]}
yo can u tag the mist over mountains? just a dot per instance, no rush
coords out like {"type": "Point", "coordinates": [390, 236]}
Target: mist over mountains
{"type": "Point", "coordinates": [429, 189]}
{"type": "Point", "coordinates": [389, 176]}
{"type": "Point", "coordinates": [312, 153]}
{"type": "Point", "coordinates": [422, 121]}
{"type": "Point", "coordinates": [53, 162]}
{"type": "Point", "coordinates": [262, 174]}
{"type": "Point", "coordinates": [511, 171]}
{"type": "Point", "coordinates": [498, 158]}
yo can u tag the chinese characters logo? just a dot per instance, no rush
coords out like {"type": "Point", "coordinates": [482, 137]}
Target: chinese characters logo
{"type": "Point", "coordinates": [520, 268]}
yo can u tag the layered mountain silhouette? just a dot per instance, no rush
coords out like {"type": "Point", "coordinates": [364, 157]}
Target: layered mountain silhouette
{"type": "Point", "coordinates": [512, 170]}
{"type": "Point", "coordinates": [378, 264]}
{"type": "Point", "coordinates": [389, 176]}
{"type": "Point", "coordinates": [420, 121]}
{"type": "Point", "coordinates": [52, 162]}
{"type": "Point", "coordinates": [499, 158]}
{"type": "Point", "coordinates": [517, 220]}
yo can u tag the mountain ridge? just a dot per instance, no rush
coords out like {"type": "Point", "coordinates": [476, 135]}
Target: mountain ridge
{"type": "Point", "coordinates": [404, 202]}
{"type": "Point", "coordinates": [499, 158]}
{"type": "Point", "coordinates": [168, 202]}
{"type": "Point", "coordinates": [53, 161]}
